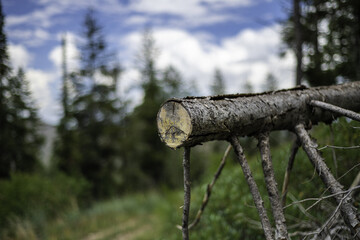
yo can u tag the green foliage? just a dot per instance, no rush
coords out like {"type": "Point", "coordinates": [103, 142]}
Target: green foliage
{"type": "Point", "coordinates": [37, 198]}
{"type": "Point", "coordinates": [91, 128]}
{"type": "Point", "coordinates": [331, 42]}
{"type": "Point", "coordinates": [19, 140]}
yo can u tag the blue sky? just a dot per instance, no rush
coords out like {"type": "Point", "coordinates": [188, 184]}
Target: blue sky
{"type": "Point", "coordinates": [241, 37]}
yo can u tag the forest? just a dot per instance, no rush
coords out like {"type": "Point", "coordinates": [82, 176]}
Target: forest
{"type": "Point", "coordinates": [111, 176]}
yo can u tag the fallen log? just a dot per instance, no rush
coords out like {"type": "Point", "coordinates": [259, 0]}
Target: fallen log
{"type": "Point", "coordinates": [192, 120]}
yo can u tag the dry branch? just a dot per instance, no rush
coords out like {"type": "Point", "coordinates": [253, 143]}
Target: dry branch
{"type": "Point", "coordinates": [187, 194]}
{"type": "Point", "coordinates": [259, 203]}
{"type": "Point", "coordinates": [209, 189]}
{"type": "Point", "coordinates": [294, 149]}
{"type": "Point", "coordinates": [190, 121]}
{"type": "Point", "coordinates": [347, 210]}
{"type": "Point", "coordinates": [271, 186]}
{"type": "Point", "coordinates": [347, 113]}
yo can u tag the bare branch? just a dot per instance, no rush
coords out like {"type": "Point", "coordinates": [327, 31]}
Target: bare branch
{"type": "Point", "coordinates": [294, 149]}
{"type": "Point", "coordinates": [333, 150]}
{"type": "Point", "coordinates": [300, 206]}
{"type": "Point", "coordinates": [209, 188]}
{"type": "Point", "coordinates": [259, 203]}
{"type": "Point", "coordinates": [271, 186]}
{"type": "Point", "coordinates": [187, 193]}
{"type": "Point", "coordinates": [338, 147]}
{"type": "Point", "coordinates": [347, 210]}
{"type": "Point", "coordinates": [347, 113]}
{"type": "Point", "coordinates": [333, 215]}
{"type": "Point", "coordinates": [331, 195]}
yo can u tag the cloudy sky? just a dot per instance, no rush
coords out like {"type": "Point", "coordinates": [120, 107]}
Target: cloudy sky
{"type": "Point", "coordinates": [241, 37]}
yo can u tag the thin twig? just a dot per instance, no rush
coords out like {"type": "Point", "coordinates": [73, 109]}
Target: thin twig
{"type": "Point", "coordinates": [301, 207]}
{"type": "Point", "coordinates": [271, 186]}
{"type": "Point", "coordinates": [339, 147]}
{"type": "Point", "coordinates": [347, 210]}
{"type": "Point", "coordinates": [331, 195]}
{"type": "Point", "coordinates": [209, 188]}
{"type": "Point", "coordinates": [355, 166]}
{"type": "Point", "coordinates": [333, 150]}
{"type": "Point", "coordinates": [347, 113]}
{"type": "Point", "coordinates": [187, 193]}
{"type": "Point", "coordinates": [294, 149]}
{"type": "Point", "coordinates": [259, 203]}
{"type": "Point", "coordinates": [333, 214]}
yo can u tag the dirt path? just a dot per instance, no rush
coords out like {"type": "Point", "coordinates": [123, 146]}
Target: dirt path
{"type": "Point", "coordinates": [129, 230]}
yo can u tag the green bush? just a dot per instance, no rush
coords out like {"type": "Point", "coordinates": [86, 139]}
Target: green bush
{"type": "Point", "coordinates": [231, 214]}
{"type": "Point", "coordinates": [36, 198]}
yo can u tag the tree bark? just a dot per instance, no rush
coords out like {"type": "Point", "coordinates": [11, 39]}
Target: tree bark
{"type": "Point", "coordinates": [347, 113]}
{"type": "Point", "coordinates": [259, 203]}
{"type": "Point", "coordinates": [298, 41]}
{"type": "Point", "coordinates": [193, 120]}
{"type": "Point", "coordinates": [272, 189]}
{"type": "Point", "coordinates": [187, 194]}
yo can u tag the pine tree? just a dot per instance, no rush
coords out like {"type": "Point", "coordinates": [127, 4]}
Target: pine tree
{"type": "Point", "coordinates": [173, 83]}
{"type": "Point", "coordinates": [330, 37]}
{"type": "Point", "coordinates": [19, 139]}
{"type": "Point", "coordinates": [147, 155]}
{"type": "Point", "coordinates": [218, 86]}
{"type": "Point", "coordinates": [90, 129]}
{"type": "Point", "coordinates": [5, 134]}
{"type": "Point", "coordinates": [24, 125]}
{"type": "Point", "coordinates": [66, 152]}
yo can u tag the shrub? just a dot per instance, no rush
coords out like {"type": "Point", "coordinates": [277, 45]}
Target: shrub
{"type": "Point", "coordinates": [36, 198]}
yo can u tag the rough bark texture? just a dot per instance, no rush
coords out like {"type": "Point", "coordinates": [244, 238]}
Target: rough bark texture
{"type": "Point", "coordinates": [190, 121]}
{"type": "Point", "coordinates": [347, 209]}
{"type": "Point", "coordinates": [187, 194]}
{"type": "Point", "coordinates": [259, 203]}
{"type": "Point", "coordinates": [271, 186]}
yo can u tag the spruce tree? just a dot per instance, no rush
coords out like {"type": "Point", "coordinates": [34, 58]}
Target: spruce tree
{"type": "Point", "coordinates": [5, 133]}
{"type": "Point", "coordinates": [91, 125]}
{"type": "Point", "coordinates": [330, 37]}
{"type": "Point", "coordinates": [147, 155]}
{"type": "Point", "coordinates": [19, 139]}
{"type": "Point", "coordinates": [173, 83]}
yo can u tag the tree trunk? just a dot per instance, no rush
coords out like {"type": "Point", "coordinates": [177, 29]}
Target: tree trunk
{"type": "Point", "coordinates": [298, 41]}
{"type": "Point", "coordinates": [193, 120]}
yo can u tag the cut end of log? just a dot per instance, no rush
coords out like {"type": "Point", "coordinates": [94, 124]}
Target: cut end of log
{"type": "Point", "coordinates": [174, 124]}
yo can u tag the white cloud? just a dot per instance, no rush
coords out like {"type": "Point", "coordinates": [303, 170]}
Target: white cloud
{"type": "Point", "coordinates": [42, 91]}
{"type": "Point", "coordinates": [72, 54]}
{"type": "Point", "coordinates": [187, 13]}
{"type": "Point", "coordinates": [19, 56]}
{"type": "Point", "coordinates": [33, 37]}
{"type": "Point", "coordinates": [185, 8]}
{"type": "Point", "coordinates": [248, 56]}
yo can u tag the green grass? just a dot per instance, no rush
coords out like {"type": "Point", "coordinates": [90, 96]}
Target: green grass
{"type": "Point", "coordinates": [230, 213]}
